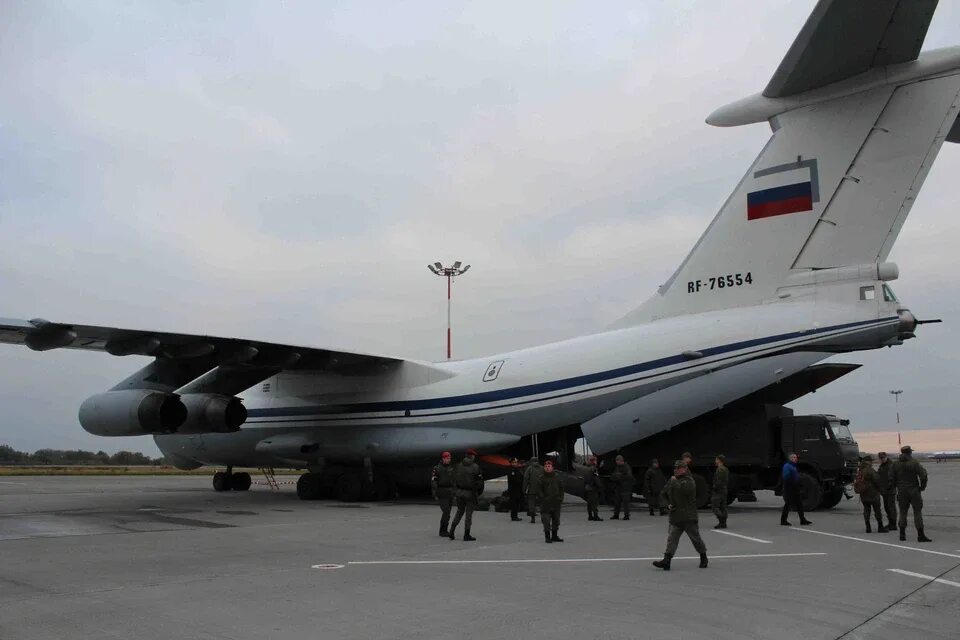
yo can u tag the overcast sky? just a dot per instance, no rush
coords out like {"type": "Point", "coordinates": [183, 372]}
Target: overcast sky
{"type": "Point", "coordinates": [285, 172]}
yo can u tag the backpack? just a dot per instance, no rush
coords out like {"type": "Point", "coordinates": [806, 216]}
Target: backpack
{"type": "Point", "coordinates": [859, 484]}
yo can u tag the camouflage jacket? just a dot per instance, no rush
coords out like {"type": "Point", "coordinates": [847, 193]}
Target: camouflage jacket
{"type": "Point", "coordinates": [467, 478]}
{"type": "Point", "coordinates": [531, 478]}
{"type": "Point", "coordinates": [680, 496]}
{"type": "Point", "coordinates": [907, 473]}
{"type": "Point", "coordinates": [721, 481]}
{"type": "Point", "coordinates": [442, 480]}
{"type": "Point", "coordinates": [653, 482]}
{"type": "Point", "coordinates": [884, 471]}
{"type": "Point", "coordinates": [550, 491]}
{"type": "Point", "coordinates": [622, 478]}
{"type": "Point", "coordinates": [591, 481]}
{"type": "Point", "coordinates": [871, 483]}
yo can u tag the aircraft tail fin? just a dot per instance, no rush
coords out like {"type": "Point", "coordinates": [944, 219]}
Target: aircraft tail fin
{"type": "Point", "coordinates": [834, 183]}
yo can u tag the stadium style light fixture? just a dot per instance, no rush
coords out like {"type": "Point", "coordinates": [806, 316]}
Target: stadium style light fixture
{"type": "Point", "coordinates": [449, 273]}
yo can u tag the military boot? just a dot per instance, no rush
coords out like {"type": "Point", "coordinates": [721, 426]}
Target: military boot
{"type": "Point", "coordinates": [452, 535]}
{"type": "Point", "coordinates": [881, 528]}
{"type": "Point", "coordinates": [665, 563]}
{"type": "Point", "coordinates": [903, 533]}
{"type": "Point", "coordinates": [723, 523]}
{"type": "Point", "coordinates": [615, 516]}
{"type": "Point", "coordinates": [921, 537]}
{"type": "Point", "coordinates": [533, 518]}
{"type": "Point", "coordinates": [651, 510]}
{"type": "Point", "coordinates": [444, 532]}
{"type": "Point", "coordinates": [703, 560]}
{"type": "Point", "coordinates": [555, 537]}
{"type": "Point", "coordinates": [869, 530]}
{"type": "Point", "coordinates": [467, 537]}
{"type": "Point", "coordinates": [546, 537]}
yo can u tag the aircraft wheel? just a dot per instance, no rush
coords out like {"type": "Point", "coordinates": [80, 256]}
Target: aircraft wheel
{"type": "Point", "coordinates": [349, 487]}
{"type": "Point", "coordinates": [222, 481]}
{"type": "Point", "coordinates": [811, 491]}
{"type": "Point", "coordinates": [241, 481]}
{"type": "Point", "coordinates": [308, 486]}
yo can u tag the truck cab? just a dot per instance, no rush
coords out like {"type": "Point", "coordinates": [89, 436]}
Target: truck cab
{"type": "Point", "coordinates": [827, 452]}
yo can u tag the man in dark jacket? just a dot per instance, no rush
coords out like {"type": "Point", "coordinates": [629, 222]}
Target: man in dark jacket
{"type": "Point", "coordinates": [515, 488]}
{"type": "Point", "coordinates": [550, 494]}
{"type": "Point", "coordinates": [441, 485]}
{"type": "Point", "coordinates": [622, 478]}
{"type": "Point", "coordinates": [910, 479]}
{"type": "Point", "coordinates": [888, 494]}
{"type": "Point", "coordinates": [868, 485]}
{"type": "Point", "coordinates": [653, 482]}
{"type": "Point", "coordinates": [531, 485]}
{"type": "Point", "coordinates": [680, 497]}
{"type": "Point", "coordinates": [467, 484]}
{"type": "Point", "coordinates": [718, 491]}
{"type": "Point", "coordinates": [591, 490]}
{"type": "Point", "coordinates": [792, 491]}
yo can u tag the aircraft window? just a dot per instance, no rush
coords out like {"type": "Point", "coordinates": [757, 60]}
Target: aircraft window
{"type": "Point", "coordinates": [888, 294]}
{"type": "Point", "coordinates": [868, 293]}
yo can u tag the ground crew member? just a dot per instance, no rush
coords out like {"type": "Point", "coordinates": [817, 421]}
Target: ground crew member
{"type": "Point", "coordinates": [888, 494]}
{"type": "Point", "coordinates": [441, 485]}
{"type": "Point", "coordinates": [868, 484]}
{"type": "Point", "coordinates": [591, 489]}
{"type": "Point", "coordinates": [910, 478]}
{"type": "Point", "coordinates": [680, 497]}
{"type": "Point", "coordinates": [653, 482]}
{"type": "Point", "coordinates": [687, 457]}
{"type": "Point", "coordinates": [515, 487]}
{"type": "Point", "coordinates": [792, 491]}
{"type": "Point", "coordinates": [622, 478]}
{"type": "Point", "coordinates": [550, 494]}
{"type": "Point", "coordinates": [467, 484]}
{"type": "Point", "coordinates": [531, 485]}
{"type": "Point", "coordinates": [718, 491]}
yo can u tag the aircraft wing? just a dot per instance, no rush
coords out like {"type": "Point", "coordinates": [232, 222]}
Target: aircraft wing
{"type": "Point", "coordinates": [42, 335]}
{"type": "Point", "coordinates": [843, 38]}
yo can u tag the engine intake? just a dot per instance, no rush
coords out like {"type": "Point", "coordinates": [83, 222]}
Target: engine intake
{"type": "Point", "coordinates": [132, 412]}
{"type": "Point", "coordinates": [212, 413]}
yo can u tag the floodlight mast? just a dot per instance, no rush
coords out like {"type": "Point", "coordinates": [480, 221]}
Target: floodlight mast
{"type": "Point", "coordinates": [449, 273]}
{"type": "Point", "coordinates": [896, 395]}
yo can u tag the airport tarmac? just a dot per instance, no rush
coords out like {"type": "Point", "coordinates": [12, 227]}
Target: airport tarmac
{"type": "Point", "coordinates": [167, 557]}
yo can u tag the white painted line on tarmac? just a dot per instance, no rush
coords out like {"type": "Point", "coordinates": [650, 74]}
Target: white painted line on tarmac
{"type": "Point", "coordinates": [925, 577]}
{"type": "Point", "coordinates": [737, 535]}
{"type": "Point", "coordinates": [18, 483]}
{"type": "Point", "coordinates": [885, 544]}
{"type": "Point", "coordinates": [562, 560]}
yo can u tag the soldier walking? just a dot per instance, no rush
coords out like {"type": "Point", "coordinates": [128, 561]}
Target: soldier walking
{"type": "Point", "coordinates": [467, 484]}
{"type": "Point", "coordinates": [653, 482]}
{"type": "Point", "coordinates": [680, 497]}
{"type": "Point", "coordinates": [441, 485]}
{"type": "Point", "coordinates": [910, 479]}
{"type": "Point", "coordinates": [868, 486]}
{"type": "Point", "coordinates": [550, 493]}
{"type": "Point", "coordinates": [531, 485]}
{"type": "Point", "coordinates": [792, 491]}
{"type": "Point", "coordinates": [591, 490]}
{"type": "Point", "coordinates": [515, 488]}
{"type": "Point", "coordinates": [622, 478]}
{"type": "Point", "coordinates": [887, 492]}
{"type": "Point", "coordinates": [718, 491]}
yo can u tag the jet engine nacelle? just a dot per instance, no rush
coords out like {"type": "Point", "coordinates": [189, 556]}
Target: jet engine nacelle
{"type": "Point", "coordinates": [212, 413]}
{"type": "Point", "coordinates": [132, 412]}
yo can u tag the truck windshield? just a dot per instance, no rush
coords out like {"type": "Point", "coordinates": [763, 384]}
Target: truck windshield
{"type": "Point", "coordinates": [841, 432]}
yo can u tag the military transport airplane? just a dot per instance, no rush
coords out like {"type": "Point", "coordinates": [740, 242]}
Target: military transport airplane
{"type": "Point", "coordinates": [790, 271]}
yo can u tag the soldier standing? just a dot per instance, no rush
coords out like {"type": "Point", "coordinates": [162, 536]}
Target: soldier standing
{"type": "Point", "coordinates": [869, 484]}
{"type": "Point", "coordinates": [910, 479]}
{"type": "Point", "coordinates": [551, 498]}
{"type": "Point", "coordinates": [718, 491]}
{"type": "Point", "coordinates": [680, 496]}
{"type": "Point", "coordinates": [531, 485]}
{"type": "Point", "coordinates": [467, 484]}
{"type": "Point", "coordinates": [653, 482]}
{"type": "Point", "coordinates": [792, 488]}
{"type": "Point", "coordinates": [591, 490]}
{"type": "Point", "coordinates": [888, 493]}
{"type": "Point", "coordinates": [622, 478]}
{"type": "Point", "coordinates": [441, 485]}
{"type": "Point", "coordinates": [515, 488]}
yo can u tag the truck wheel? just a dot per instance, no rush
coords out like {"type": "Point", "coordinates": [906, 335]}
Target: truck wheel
{"type": "Point", "coordinates": [831, 498]}
{"type": "Point", "coordinates": [703, 491]}
{"type": "Point", "coordinates": [811, 491]}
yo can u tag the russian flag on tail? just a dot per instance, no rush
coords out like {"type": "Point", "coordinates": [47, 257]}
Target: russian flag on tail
{"type": "Point", "coordinates": [779, 201]}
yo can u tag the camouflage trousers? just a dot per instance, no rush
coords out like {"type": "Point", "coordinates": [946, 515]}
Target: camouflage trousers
{"type": "Point", "coordinates": [465, 506]}
{"type": "Point", "coordinates": [621, 501]}
{"type": "Point", "coordinates": [692, 531]}
{"type": "Point", "coordinates": [446, 502]}
{"type": "Point", "coordinates": [531, 504]}
{"type": "Point", "coordinates": [890, 506]}
{"type": "Point", "coordinates": [907, 498]}
{"type": "Point", "coordinates": [593, 503]}
{"type": "Point", "coordinates": [550, 519]}
{"type": "Point", "coordinates": [872, 504]}
{"type": "Point", "coordinates": [719, 505]}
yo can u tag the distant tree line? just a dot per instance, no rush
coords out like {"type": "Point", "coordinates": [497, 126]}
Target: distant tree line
{"type": "Point", "coordinates": [9, 455]}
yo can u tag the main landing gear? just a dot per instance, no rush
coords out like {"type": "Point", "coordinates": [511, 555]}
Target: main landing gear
{"type": "Point", "coordinates": [227, 480]}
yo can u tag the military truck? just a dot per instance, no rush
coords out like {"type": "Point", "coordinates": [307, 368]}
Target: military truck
{"type": "Point", "coordinates": [756, 441]}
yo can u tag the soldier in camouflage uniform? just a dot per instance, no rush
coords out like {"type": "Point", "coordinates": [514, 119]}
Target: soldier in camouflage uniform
{"type": "Point", "coordinates": [467, 484]}
{"type": "Point", "coordinates": [869, 484]}
{"type": "Point", "coordinates": [680, 496]}
{"type": "Point", "coordinates": [550, 494]}
{"type": "Point", "coordinates": [889, 495]}
{"type": "Point", "coordinates": [622, 478]}
{"type": "Point", "coordinates": [910, 478]}
{"type": "Point", "coordinates": [515, 488]}
{"type": "Point", "coordinates": [592, 489]}
{"type": "Point", "coordinates": [718, 491]}
{"type": "Point", "coordinates": [441, 485]}
{"type": "Point", "coordinates": [653, 482]}
{"type": "Point", "coordinates": [531, 485]}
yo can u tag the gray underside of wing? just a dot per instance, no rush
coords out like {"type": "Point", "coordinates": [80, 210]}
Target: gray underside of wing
{"type": "Point", "coordinates": [843, 38]}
